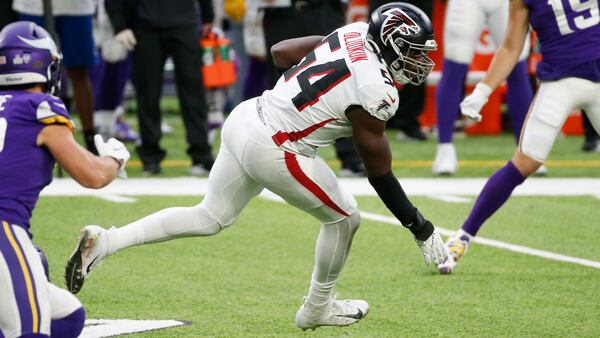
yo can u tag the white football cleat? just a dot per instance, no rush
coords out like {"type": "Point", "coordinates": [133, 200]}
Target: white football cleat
{"type": "Point", "coordinates": [337, 313]}
{"type": "Point", "coordinates": [457, 247]}
{"type": "Point", "coordinates": [541, 171]}
{"type": "Point", "coordinates": [91, 249]}
{"type": "Point", "coordinates": [445, 162]}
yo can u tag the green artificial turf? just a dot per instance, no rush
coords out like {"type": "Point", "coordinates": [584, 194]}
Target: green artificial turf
{"type": "Point", "coordinates": [249, 280]}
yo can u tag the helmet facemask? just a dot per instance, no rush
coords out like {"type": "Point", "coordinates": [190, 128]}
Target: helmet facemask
{"type": "Point", "coordinates": [54, 71]}
{"type": "Point", "coordinates": [408, 62]}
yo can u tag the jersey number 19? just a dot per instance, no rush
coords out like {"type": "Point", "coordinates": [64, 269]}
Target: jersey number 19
{"type": "Point", "coordinates": [589, 14]}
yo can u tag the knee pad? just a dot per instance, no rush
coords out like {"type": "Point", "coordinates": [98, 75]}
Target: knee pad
{"type": "Point", "coordinates": [351, 222]}
{"type": "Point", "coordinates": [69, 326]}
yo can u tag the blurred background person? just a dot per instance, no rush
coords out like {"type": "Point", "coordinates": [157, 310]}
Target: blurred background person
{"type": "Point", "coordinates": [155, 30]}
{"type": "Point", "coordinates": [73, 23]}
{"type": "Point", "coordinates": [411, 96]}
{"type": "Point", "coordinates": [256, 79]}
{"type": "Point", "coordinates": [286, 19]}
{"type": "Point", "coordinates": [465, 19]}
{"type": "Point", "coordinates": [7, 15]}
{"type": "Point", "coordinates": [109, 78]}
{"type": "Point", "coordinates": [591, 137]}
{"type": "Point", "coordinates": [219, 69]}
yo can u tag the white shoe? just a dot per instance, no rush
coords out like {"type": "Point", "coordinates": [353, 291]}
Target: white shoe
{"type": "Point", "coordinates": [166, 128]}
{"type": "Point", "coordinates": [337, 313]}
{"type": "Point", "coordinates": [91, 249]}
{"type": "Point", "coordinates": [457, 247]}
{"type": "Point", "coordinates": [198, 170]}
{"type": "Point", "coordinates": [445, 162]}
{"type": "Point", "coordinates": [541, 171]}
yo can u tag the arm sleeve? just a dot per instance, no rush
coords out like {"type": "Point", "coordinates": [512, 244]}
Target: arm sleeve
{"type": "Point", "coordinates": [207, 11]}
{"type": "Point", "coordinates": [393, 196]}
{"type": "Point", "coordinates": [118, 13]}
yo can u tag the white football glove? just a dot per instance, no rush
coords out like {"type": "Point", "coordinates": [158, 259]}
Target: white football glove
{"type": "Point", "coordinates": [113, 51]}
{"type": "Point", "coordinates": [472, 104]}
{"type": "Point", "coordinates": [127, 39]}
{"type": "Point", "coordinates": [433, 249]}
{"type": "Point", "coordinates": [115, 149]}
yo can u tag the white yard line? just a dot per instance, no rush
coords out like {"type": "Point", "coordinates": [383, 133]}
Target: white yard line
{"type": "Point", "coordinates": [495, 243]}
{"type": "Point", "coordinates": [117, 198]}
{"type": "Point", "coordinates": [98, 328]}
{"type": "Point", "coordinates": [448, 189]}
{"type": "Point", "coordinates": [359, 187]}
{"type": "Point", "coordinates": [451, 198]}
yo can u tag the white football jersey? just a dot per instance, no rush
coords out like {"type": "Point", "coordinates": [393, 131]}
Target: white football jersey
{"type": "Point", "coordinates": [307, 107]}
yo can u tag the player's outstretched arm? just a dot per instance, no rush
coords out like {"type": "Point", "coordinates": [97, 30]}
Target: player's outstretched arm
{"type": "Point", "coordinates": [87, 169]}
{"type": "Point", "coordinates": [507, 56]}
{"type": "Point", "coordinates": [374, 149]}
{"type": "Point", "coordinates": [505, 59]}
{"type": "Point", "coordinates": [289, 52]}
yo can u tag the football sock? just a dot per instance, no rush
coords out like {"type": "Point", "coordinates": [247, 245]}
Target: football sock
{"type": "Point", "coordinates": [164, 225]}
{"type": "Point", "coordinates": [333, 245]}
{"type": "Point", "coordinates": [69, 326]}
{"type": "Point", "coordinates": [495, 192]}
{"type": "Point", "coordinates": [519, 95]}
{"type": "Point", "coordinates": [448, 96]}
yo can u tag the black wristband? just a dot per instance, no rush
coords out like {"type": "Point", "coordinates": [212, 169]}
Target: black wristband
{"type": "Point", "coordinates": [421, 227]}
{"type": "Point", "coordinates": [393, 196]}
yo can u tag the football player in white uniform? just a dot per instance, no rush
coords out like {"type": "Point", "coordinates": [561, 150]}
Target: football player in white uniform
{"type": "Point", "coordinates": [337, 86]}
{"type": "Point", "coordinates": [464, 22]}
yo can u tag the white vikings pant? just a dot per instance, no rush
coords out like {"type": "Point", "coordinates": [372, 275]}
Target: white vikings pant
{"type": "Point", "coordinates": [28, 302]}
{"type": "Point", "coordinates": [464, 22]}
{"type": "Point", "coordinates": [549, 110]}
{"type": "Point", "coordinates": [249, 161]}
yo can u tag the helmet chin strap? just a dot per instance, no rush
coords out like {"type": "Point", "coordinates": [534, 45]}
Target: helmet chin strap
{"type": "Point", "coordinates": [372, 46]}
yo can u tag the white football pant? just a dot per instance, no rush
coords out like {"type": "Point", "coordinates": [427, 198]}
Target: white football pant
{"type": "Point", "coordinates": [464, 22]}
{"type": "Point", "coordinates": [249, 161]}
{"type": "Point", "coordinates": [549, 110]}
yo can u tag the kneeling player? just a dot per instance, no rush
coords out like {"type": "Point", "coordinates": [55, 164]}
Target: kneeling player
{"type": "Point", "coordinates": [36, 131]}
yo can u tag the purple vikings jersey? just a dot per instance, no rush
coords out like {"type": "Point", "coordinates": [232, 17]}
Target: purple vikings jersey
{"type": "Point", "coordinates": [26, 167]}
{"type": "Point", "coordinates": [569, 35]}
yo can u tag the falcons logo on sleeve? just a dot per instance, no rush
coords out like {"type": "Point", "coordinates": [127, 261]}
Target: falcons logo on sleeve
{"type": "Point", "coordinates": [397, 20]}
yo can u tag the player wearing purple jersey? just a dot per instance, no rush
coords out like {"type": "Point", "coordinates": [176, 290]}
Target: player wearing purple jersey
{"type": "Point", "coordinates": [35, 132]}
{"type": "Point", "coordinates": [569, 35]}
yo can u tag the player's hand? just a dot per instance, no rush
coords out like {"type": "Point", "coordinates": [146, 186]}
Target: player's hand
{"type": "Point", "coordinates": [472, 104]}
{"type": "Point", "coordinates": [433, 249]}
{"type": "Point", "coordinates": [127, 39]}
{"type": "Point", "coordinates": [115, 149]}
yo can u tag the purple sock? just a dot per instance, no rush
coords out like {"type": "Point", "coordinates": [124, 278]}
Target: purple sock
{"type": "Point", "coordinates": [255, 82]}
{"type": "Point", "coordinates": [69, 326]}
{"type": "Point", "coordinates": [520, 95]}
{"type": "Point", "coordinates": [495, 192]}
{"type": "Point", "coordinates": [449, 93]}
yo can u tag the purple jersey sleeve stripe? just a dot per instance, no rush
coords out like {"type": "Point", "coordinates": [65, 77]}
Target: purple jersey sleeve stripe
{"type": "Point", "coordinates": [23, 283]}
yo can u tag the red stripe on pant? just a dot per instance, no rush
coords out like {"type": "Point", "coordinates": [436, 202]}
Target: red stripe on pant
{"type": "Point", "coordinates": [294, 167]}
{"type": "Point", "coordinates": [281, 137]}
